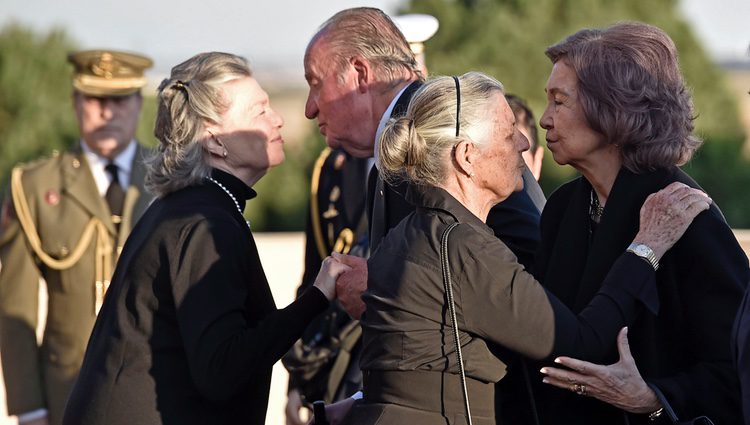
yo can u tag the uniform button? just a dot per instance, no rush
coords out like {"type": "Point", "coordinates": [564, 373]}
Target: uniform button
{"type": "Point", "coordinates": [381, 192]}
{"type": "Point", "coordinates": [76, 163]}
{"type": "Point", "coordinates": [53, 357]}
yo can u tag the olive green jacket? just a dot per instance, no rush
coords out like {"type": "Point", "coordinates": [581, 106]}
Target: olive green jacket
{"type": "Point", "coordinates": [62, 198]}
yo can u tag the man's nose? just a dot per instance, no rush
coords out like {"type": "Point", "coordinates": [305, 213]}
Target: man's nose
{"type": "Point", "coordinates": [311, 108]}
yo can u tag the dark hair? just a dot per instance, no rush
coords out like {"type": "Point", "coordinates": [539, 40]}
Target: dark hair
{"type": "Point", "coordinates": [632, 92]}
{"type": "Point", "coordinates": [524, 117]}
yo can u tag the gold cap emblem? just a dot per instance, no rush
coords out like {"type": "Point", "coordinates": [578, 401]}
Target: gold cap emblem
{"type": "Point", "coordinates": [108, 72]}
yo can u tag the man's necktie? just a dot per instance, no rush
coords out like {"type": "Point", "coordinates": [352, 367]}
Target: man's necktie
{"type": "Point", "coordinates": [115, 195]}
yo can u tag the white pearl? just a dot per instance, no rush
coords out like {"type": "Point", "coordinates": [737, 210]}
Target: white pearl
{"type": "Point", "coordinates": [236, 204]}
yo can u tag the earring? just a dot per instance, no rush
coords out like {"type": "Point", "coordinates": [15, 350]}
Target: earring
{"type": "Point", "coordinates": [225, 153]}
{"type": "Point", "coordinates": [471, 174]}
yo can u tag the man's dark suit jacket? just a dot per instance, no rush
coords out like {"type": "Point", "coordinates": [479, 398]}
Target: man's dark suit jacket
{"type": "Point", "coordinates": [515, 221]}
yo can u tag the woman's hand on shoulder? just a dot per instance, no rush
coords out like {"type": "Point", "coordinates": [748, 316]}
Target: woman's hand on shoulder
{"type": "Point", "coordinates": [666, 215]}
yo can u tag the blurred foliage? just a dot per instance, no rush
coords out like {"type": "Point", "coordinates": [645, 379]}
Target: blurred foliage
{"type": "Point", "coordinates": [36, 106]}
{"type": "Point", "coordinates": [34, 89]}
{"type": "Point", "coordinates": [37, 118]}
{"type": "Point", "coordinates": [507, 39]}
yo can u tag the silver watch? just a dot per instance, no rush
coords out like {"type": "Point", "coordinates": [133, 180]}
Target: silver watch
{"type": "Point", "coordinates": [644, 252]}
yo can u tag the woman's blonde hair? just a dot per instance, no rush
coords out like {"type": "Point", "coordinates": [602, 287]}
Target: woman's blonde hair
{"type": "Point", "coordinates": [187, 100]}
{"type": "Point", "coordinates": [415, 146]}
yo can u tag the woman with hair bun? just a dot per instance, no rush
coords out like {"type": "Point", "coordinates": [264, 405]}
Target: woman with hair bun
{"type": "Point", "coordinates": [189, 330]}
{"type": "Point", "coordinates": [460, 151]}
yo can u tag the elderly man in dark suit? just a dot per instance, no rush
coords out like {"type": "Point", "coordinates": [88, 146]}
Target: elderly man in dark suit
{"type": "Point", "coordinates": [353, 90]}
{"type": "Point", "coordinates": [66, 221]}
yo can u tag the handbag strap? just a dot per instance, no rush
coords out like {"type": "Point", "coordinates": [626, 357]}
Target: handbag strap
{"type": "Point", "coordinates": [448, 286]}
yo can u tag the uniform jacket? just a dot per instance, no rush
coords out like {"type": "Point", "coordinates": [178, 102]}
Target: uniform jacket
{"type": "Point", "coordinates": [336, 222]}
{"type": "Point", "coordinates": [406, 326]}
{"type": "Point", "coordinates": [515, 221]}
{"type": "Point", "coordinates": [684, 348]}
{"type": "Point", "coordinates": [62, 198]}
{"type": "Point", "coordinates": [189, 331]}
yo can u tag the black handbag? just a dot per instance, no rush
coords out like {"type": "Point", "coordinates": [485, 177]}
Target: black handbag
{"type": "Point", "coordinates": [671, 417]}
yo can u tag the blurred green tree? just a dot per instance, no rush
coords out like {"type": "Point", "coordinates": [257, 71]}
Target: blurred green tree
{"type": "Point", "coordinates": [36, 107]}
{"type": "Point", "coordinates": [36, 114]}
{"type": "Point", "coordinates": [507, 38]}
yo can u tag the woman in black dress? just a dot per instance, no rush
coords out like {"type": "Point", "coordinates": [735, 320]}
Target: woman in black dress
{"type": "Point", "coordinates": [620, 113]}
{"type": "Point", "coordinates": [189, 331]}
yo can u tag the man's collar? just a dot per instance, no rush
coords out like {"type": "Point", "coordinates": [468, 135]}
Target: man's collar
{"type": "Point", "coordinates": [389, 111]}
{"type": "Point", "coordinates": [124, 160]}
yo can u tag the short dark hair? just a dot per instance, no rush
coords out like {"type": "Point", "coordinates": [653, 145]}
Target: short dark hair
{"type": "Point", "coordinates": [632, 92]}
{"type": "Point", "coordinates": [525, 117]}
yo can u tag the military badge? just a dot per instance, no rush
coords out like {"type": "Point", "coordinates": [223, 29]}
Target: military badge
{"type": "Point", "coordinates": [52, 197]}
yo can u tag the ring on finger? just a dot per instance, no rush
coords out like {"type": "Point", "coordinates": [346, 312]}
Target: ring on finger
{"type": "Point", "coordinates": [579, 389]}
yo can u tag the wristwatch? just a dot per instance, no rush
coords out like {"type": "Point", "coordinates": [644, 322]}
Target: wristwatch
{"type": "Point", "coordinates": [644, 252]}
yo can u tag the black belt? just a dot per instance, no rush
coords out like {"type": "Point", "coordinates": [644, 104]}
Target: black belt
{"type": "Point", "coordinates": [433, 391]}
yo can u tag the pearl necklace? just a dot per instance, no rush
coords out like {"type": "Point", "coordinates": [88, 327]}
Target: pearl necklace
{"type": "Point", "coordinates": [236, 204]}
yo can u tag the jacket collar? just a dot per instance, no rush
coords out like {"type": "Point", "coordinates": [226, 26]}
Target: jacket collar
{"type": "Point", "coordinates": [579, 265]}
{"type": "Point", "coordinates": [436, 198]}
{"type": "Point", "coordinates": [79, 184]}
{"type": "Point", "coordinates": [235, 186]}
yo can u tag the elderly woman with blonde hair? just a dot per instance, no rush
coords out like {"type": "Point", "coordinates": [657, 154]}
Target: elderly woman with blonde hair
{"type": "Point", "coordinates": [189, 331]}
{"type": "Point", "coordinates": [444, 294]}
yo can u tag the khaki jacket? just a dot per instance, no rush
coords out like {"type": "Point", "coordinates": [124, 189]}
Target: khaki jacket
{"type": "Point", "coordinates": [61, 199]}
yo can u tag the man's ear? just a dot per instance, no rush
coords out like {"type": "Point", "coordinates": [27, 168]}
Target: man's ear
{"type": "Point", "coordinates": [463, 156]}
{"type": "Point", "coordinates": [364, 72]}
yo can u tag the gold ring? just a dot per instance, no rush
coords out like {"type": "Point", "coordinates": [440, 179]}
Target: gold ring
{"type": "Point", "coordinates": [579, 389]}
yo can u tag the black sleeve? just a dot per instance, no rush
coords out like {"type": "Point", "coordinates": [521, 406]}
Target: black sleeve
{"type": "Point", "coordinates": [515, 221]}
{"type": "Point", "coordinates": [713, 272]}
{"type": "Point", "coordinates": [224, 349]}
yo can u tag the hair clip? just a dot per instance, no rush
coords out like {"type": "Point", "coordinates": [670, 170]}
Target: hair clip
{"type": "Point", "coordinates": [180, 85]}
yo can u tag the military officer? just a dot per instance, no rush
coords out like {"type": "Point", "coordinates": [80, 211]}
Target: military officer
{"type": "Point", "coordinates": [336, 223]}
{"type": "Point", "coordinates": [65, 221]}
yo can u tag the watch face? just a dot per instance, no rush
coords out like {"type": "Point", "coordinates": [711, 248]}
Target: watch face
{"type": "Point", "coordinates": [641, 250]}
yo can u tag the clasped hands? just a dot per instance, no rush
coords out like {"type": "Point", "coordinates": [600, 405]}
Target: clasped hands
{"type": "Point", "coordinates": [344, 277]}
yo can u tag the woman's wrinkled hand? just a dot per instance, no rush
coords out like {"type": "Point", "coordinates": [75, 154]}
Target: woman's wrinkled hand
{"type": "Point", "coordinates": [330, 270]}
{"type": "Point", "coordinates": [666, 215]}
{"type": "Point", "coordinates": [619, 384]}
